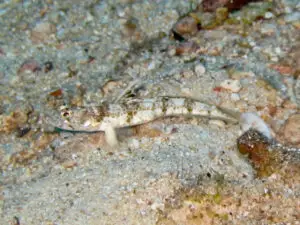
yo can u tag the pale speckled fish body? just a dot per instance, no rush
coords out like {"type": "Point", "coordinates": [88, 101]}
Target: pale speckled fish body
{"type": "Point", "coordinates": [132, 113]}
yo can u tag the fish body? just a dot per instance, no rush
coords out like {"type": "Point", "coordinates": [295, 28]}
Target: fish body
{"type": "Point", "coordinates": [136, 112]}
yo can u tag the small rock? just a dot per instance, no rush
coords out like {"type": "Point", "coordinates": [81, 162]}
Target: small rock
{"type": "Point", "coordinates": [231, 85]}
{"type": "Point", "coordinates": [130, 27]}
{"type": "Point", "coordinates": [269, 15]}
{"type": "Point", "coordinates": [186, 48]}
{"type": "Point", "coordinates": [187, 74]}
{"type": "Point", "coordinates": [212, 5]}
{"type": "Point", "coordinates": [199, 69]}
{"type": "Point", "coordinates": [158, 206]}
{"type": "Point", "coordinates": [29, 66]}
{"type": "Point", "coordinates": [291, 130]}
{"type": "Point", "coordinates": [274, 59]}
{"type": "Point", "coordinates": [42, 33]}
{"type": "Point", "coordinates": [257, 146]}
{"type": "Point", "coordinates": [235, 97]}
{"type": "Point", "coordinates": [172, 51]}
{"type": "Point", "coordinates": [56, 93]}
{"type": "Point", "coordinates": [282, 69]}
{"type": "Point", "coordinates": [69, 164]}
{"type": "Point", "coordinates": [187, 25]}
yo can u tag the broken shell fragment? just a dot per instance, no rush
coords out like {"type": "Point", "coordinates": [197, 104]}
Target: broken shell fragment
{"type": "Point", "coordinates": [200, 69]}
{"type": "Point", "coordinates": [56, 93]}
{"type": "Point", "coordinates": [251, 120]}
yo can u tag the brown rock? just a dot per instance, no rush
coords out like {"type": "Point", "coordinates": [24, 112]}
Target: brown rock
{"type": "Point", "coordinates": [56, 93]}
{"type": "Point", "coordinates": [30, 66]}
{"type": "Point", "coordinates": [258, 149]}
{"type": "Point", "coordinates": [186, 26]}
{"type": "Point", "coordinates": [42, 33]}
{"type": "Point", "coordinates": [186, 48]}
{"type": "Point", "coordinates": [290, 64]}
{"type": "Point", "coordinates": [212, 5]}
{"type": "Point", "coordinates": [291, 130]}
{"type": "Point", "coordinates": [283, 69]}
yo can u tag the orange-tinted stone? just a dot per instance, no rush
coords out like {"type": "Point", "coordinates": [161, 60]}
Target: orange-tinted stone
{"type": "Point", "coordinates": [258, 148]}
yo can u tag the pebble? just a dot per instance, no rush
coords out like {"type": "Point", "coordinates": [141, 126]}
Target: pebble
{"type": "Point", "coordinates": [256, 147]}
{"type": "Point", "coordinates": [69, 164]}
{"type": "Point", "coordinates": [186, 48]}
{"type": "Point", "coordinates": [187, 74]}
{"type": "Point", "coordinates": [186, 25]}
{"type": "Point", "coordinates": [172, 52]}
{"type": "Point", "coordinates": [212, 5]}
{"type": "Point", "coordinates": [42, 32]}
{"type": "Point", "coordinates": [218, 123]}
{"type": "Point", "coordinates": [130, 27]}
{"type": "Point", "coordinates": [269, 15]}
{"type": "Point", "coordinates": [274, 59]}
{"type": "Point", "coordinates": [241, 74]}
{"type": "Point", "coordinates": [29, 66]}
{"type": "Point", "coordinates": [200, 69]}
{"type": "Point", "coordinates": [235, 97]}
{"type": "Point", "coordinates": [158, 206]}
{"type": "Point", "coordinates": [231, 85]}
{"type": "Point", "coordinates": [291, 130]}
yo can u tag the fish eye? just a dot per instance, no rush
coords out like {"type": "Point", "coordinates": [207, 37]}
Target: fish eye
{"type": "Point", "coordinates": [66, 113]}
